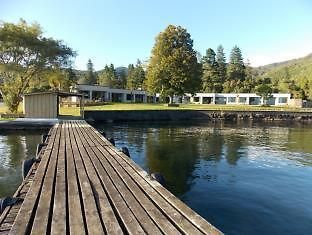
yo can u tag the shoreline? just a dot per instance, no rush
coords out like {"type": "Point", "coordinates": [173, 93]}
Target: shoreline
{"type": "Point", "coordinates": [175, 115]}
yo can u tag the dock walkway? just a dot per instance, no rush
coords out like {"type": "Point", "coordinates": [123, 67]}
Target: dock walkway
{"type": "Point", "coordinates": [84, 185]}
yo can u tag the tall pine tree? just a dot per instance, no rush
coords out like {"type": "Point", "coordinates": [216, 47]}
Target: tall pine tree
{"type": "Point", "coordinates": [210, 78]}
{"type": "Point", "coordinates": [221, 61]}
{"type": "Point", "coordinates": [236, 71]}
{"type": "Point", "coordinates": [90, 77]}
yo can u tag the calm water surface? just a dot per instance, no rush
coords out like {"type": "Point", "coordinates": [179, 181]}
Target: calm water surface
{"type": "Point", "coordinates": [15, 146]}
{"type": "Point", "coordinates": [244, 178]}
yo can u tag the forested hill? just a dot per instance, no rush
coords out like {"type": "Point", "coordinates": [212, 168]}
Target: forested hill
{"type": "Point", "coordinates": [290, 76]}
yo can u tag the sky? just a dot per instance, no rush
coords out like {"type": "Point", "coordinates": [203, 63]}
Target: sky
{"type": "Point", "coordinates": [122, 31]}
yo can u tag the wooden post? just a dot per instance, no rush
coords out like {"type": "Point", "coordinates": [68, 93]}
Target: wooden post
{"type": "Point", "coordinates": [82, 107]}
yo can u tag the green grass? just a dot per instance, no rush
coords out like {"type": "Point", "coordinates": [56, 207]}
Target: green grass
{"type": "Point", "coordinates": [124, 106]}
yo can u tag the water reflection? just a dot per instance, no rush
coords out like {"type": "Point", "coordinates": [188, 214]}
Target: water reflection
{"type": "Point", "coordinates": [174, 149]}
{"type": "Point", "coordinates": [14, 148]}
{"type": "Point", "coordinates": [161, 156]}
{"type": "Point", "coordinates": [245, 178]}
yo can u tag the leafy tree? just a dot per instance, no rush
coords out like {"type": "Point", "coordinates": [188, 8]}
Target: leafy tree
{"type": "Point", "coordinates": [221, 61]}
{"type": "Point", "coordinates": [248, 85]}
{"type": "Point", "coordinates": [210, 78]}
{"type": "Point", "coordinates": [24, 53]}
{"type": "Point", "coordinates": [264, 89]}
{"type": "Point", "coordinates": [235, 70]}
{"type": "Point", "coordinates": [136, 76]}
{"type": "Point", "coordinates": [107, 76]}
{"type": "Point", "coordinates": [173, 68]}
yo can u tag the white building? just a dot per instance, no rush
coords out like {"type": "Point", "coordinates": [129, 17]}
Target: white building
{"type": "Point", "coordinates": [102, 93]}
{"type": "Point", "coordinates": [236, 98]}
{"type": "Point", "coordinates": [95, 92]}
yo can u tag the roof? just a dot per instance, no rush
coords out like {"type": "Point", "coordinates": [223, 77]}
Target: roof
{"type": "Point", "coordinates": [59, 93]}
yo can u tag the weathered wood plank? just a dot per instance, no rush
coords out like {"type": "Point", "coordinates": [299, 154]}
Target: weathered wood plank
{"type": "Point", "coordinates": [75, 212]}
{"type": "Point", "coordinates": [84, 185]}
{"type": "Point", "coordinates": [154, 189]}
{"type": "Point", "coordinates": [160, 219]}
{"type": "Point", "coordinates": [45, 205]}
{"type": "Point", "coordinates": [58, 225]}
{"type": "Point", "coordinates": [134, 205]}
{"type": "Point", "coordinates": [126, 216]}
{"type": "Point", "coordinates": [23, 222]}
{"type": "Point", "coordinates": [106, 212]}
{"type": "Point", "coordinates": [93, 221]}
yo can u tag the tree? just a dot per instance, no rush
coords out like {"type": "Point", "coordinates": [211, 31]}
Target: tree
{"type": "Point", "coordinates": [249, 83]}
{"type": "Point", "coordinates": [24, 53]}
{"type": "Point", "coordinates": [90, 77]}
{"type": "Point", "coordinates": [173, 68]}
{"type": "Point", "coordinates": [236, 70]}
{"type": "Point", "coordinates": [121, 73]}
{"type": "Point", "coordinates": [264, 89]}
{"type": "Point", "coordinates": [221, 61]}
{"type": "Point", "coordinates": [136, 76]}
{"type": "Point", "coordinates": [107, 76]}
{"type": "Point", "coordinates": [210, 78]}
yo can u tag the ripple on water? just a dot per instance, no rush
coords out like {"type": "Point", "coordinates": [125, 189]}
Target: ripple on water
{"type": "Point", "coordinates": [4, 154]}
{"type": "Point", "coordinates": [264, 156]}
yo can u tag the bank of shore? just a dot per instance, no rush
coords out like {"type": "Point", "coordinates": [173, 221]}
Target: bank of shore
{"type": "Point", "coordinates": [173, 115]}
{"type": "Point", "coordinates": [162, 115]}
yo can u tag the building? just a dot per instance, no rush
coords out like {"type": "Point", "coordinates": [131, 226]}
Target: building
{"type": "Point", "coordinates": [106, 94]}
{"type": "Point", "coordinates": [237, 99]}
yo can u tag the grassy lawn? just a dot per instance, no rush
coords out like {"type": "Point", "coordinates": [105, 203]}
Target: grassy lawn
{"type": "Point", "coordinates": [123, 106]}
{"type": "Point", "coordinates": [3, 109]}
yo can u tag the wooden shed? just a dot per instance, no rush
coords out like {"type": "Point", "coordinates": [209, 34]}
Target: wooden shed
{"type": "Point", "coordinates": [46, 104]}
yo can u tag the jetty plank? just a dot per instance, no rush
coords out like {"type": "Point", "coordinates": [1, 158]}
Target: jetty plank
{"type": "Point", "coordinates": [93, 223]}
{"type": "Point", "coordinates": [110, 222]}
{"type": "Point", "coordinates": [59, 206]}
{"type": "Point", "coordinates": [84, 185]}
{"type": "Point", "coordinates": [154, 189]}
{"type": "Point", "coordinates": [131, 224]}
{"type": "Point", "coordinates": [75, 212]}
{"type": "Point", "coordinates": [160, 219]}
{"type": "Point", "coordinates": [23, 221]}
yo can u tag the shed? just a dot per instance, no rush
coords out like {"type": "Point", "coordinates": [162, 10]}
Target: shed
{"type": "Point", "coordinates": [46, 104]}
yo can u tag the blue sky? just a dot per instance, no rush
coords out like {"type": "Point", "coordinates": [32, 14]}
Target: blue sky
{"type": "Point", "coordinates": [121, 31]}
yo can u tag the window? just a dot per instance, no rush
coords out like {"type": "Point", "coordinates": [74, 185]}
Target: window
{"type": "Point", "coordinates": [231, 99]}
{"type": "Point", "coordinates": [242, 100]}
{"type": "Point", "coordinates": [220, 100]}
{"type": "Point", "coordinates": [282, 100]}
{"type": "Point", "coordinates": [129, 97]}
{"type": "Point", "coordinates": [196, 99]}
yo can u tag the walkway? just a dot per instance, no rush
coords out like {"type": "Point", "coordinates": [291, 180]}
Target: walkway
{"type": "Point", "coordinates": [84, 185]}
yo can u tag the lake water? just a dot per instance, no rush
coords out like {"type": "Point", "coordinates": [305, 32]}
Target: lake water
{"type": "Point", "coordinates": [244, 178]}
{"type": "Point", "coordinates": [15, 146]}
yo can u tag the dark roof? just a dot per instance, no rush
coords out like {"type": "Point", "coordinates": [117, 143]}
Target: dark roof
{"type": "Point", "coordinates": [59, 93]}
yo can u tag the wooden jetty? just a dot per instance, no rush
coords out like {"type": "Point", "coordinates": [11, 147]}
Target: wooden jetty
{"type": "Point", "coordinates": [84, 185]}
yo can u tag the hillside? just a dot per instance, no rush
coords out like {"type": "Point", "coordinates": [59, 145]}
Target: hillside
{"type": "Point", "coordinates": [293, 76]}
